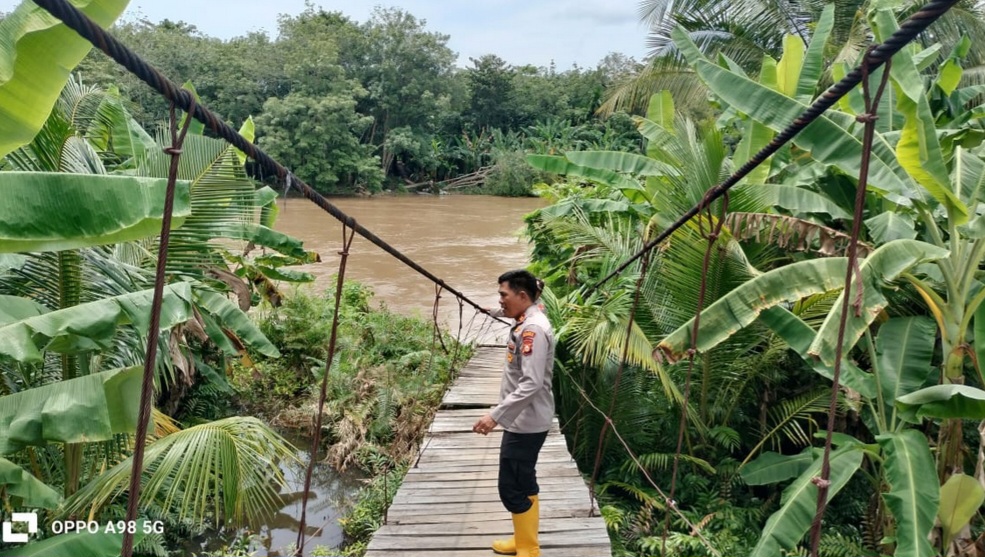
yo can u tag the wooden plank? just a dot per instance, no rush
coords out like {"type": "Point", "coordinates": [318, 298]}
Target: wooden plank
{"type": "Point", "coordinates": [548, 540]}
{"type": "Point", "coordinates": [448, 504]}
{"type": "Point", "coordinates": [474, 507]}
{"type": "Point", "coordinates": [491, 496]}
{"type": "Point", "coordinates": [492, 527]}
{"type": "Point", "coordinates": [452, 521]}
{"type": "Point", "coordinates": [591, 551]}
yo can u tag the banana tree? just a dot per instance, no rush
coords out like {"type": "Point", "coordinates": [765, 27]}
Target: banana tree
{"type": "Point", "coordinates": [74, 295]}
{"type": "Point", "coordinates": [920, 173]}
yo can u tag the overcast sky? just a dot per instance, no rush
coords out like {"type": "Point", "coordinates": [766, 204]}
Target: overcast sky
{"type": "Point", "coordinates": [519, 31]}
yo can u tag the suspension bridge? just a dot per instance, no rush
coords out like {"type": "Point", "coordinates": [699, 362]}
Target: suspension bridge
{"type": "Point", "coordinates": [448, 503]}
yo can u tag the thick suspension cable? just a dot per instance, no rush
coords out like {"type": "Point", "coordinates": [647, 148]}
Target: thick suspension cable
{"type": "Point", "coordinates": [92, 32]}
{"type": "Point", "coordinates": [868, 118]}
{"type": "Point", "coordinates": [150, 358]}
{"type": "Point", "coordinates": [876, 57]}
{"type": "Point", "coordinates": [316, 427]}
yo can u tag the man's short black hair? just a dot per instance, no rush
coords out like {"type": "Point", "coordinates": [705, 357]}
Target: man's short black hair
{"type": "Point", "coordinates": [521, 279]}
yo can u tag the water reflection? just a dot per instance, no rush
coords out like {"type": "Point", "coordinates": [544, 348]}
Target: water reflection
{"type": "Point", "coordinates": [332, 494]}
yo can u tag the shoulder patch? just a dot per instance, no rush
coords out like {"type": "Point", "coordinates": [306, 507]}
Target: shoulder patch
{"type": "Point", "coordinates": [528, 343]}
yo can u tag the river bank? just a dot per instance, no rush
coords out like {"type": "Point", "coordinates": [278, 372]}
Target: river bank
{"type": "Point", "coordinates": [384, 386]}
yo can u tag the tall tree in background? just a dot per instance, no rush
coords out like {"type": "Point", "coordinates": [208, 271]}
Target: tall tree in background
{"type": "Point", "coordinates": [490, 93]}
{"type": "Point", "coordinates": [315, 128]}
{"type": "Point", "coordinates": [407, 72]}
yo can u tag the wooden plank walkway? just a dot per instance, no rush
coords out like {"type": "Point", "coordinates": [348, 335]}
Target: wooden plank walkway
{"type": "Point", "coordinates": [448, 506]}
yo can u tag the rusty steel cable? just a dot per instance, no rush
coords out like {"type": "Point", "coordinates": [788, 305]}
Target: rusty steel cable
{"type": "Point", "coordinates": [119, 52]}
{"type": "Point", "coordinates": [147, 383]}
{"type": "Point", "coordinates": [876, 57]}
{"type": "Point", "coordinates": [347, 238]}
{"type": "Point", "coordinates": [868, 118]}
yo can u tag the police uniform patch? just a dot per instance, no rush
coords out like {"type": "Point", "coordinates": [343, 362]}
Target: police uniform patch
{"type": "Point", "coordinates": [509, 357]}
{"type": "Point", "coordinates": [528, 343]}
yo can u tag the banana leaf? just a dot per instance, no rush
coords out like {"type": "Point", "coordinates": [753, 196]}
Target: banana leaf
{"type": "Point", "coordinates": [85, 409]}
{"type": "Point", "coordinates": [799, 335]}
{"type": "Point", "coordinates": [115, 130]}
{"type": "Point", "coordinates": [969, 173]}
{"type": "Point", "coordinates": [904, 350]}
{"type": "Point", "coordinates": [790, 64]}
{"type": "Point", "coordinates": [827, 142]}
{"type": "Point", "coordinates": [890, 225]}
{"type": "Point", "coordinates": [248, 131]}
{"type": "Point", "coordinates": [234, 322]}
{"type": "Point", "coordinates": [914, 492]}
{"type": "Point", "coordinates": [918, 150]}
{"type": "Point", "coordinates": [794, 199]}
{"type": "Point", "coordinates": [942, 401]}
{"type": "Point", "coordinates": [961, 496]}
{"type": "Point", "coordinates": [770, 468]}
{"type": "Point", "coordinates": [37, 53]}
{"type": "Point", "coordinates": [31, 492]}
{"type": "Point", "coordinates": [58, 211]}
{"type": "Point", "coordinates": [562, 166]}
{"type": "Point", "coordinates": [618, 161]}
{"type": "Point", "coordinates": [90, 326]}
{"type": "Point", "coordinates": [786, 527]}
{"type": "Point", "coordinates": [880, 268]}
{"type": "Point", "coordinates": [813, 65]}
{"type": "Point", "coordinates": [742, 306]}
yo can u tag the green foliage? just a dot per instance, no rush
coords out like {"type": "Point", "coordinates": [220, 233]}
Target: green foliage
{"type": "Point", "coordinates": [381, 104]}
{"type": "Point", "coordinates": [366, 515]}
{"type": "Point", "coordinates": [387, 378]}
{"type": "Point", "coordinates": [318, 138]}
{"type": "Point", "coordinates": [511, 176]}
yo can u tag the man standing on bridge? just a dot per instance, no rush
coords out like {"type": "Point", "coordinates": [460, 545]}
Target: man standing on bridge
{"type": "Point", "coordinates": [525, 410]}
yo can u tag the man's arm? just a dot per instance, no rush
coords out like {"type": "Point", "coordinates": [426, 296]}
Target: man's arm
{"type": "Point", "coordinates": [533, 363]}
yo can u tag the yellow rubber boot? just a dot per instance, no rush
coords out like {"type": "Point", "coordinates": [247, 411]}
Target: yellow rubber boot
{"type": "Point", "coordinates": [505, 547]}
{"type": "Point", "coordinates": [525, 528]}
{"type": "Point", "coordinates": [508, 546]}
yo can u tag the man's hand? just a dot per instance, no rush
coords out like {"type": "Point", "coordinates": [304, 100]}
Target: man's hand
{"type": "Point", "coordinates": [484, 425]}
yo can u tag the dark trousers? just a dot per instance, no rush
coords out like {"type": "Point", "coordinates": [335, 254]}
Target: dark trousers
{"type": "Point", "coordinates": [517, 469]}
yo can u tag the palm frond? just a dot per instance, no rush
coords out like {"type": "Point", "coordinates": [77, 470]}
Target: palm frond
{"type": "Point", "coordinates": [657, 462]}
{"type": "Point", "coordinates": [644, 495]}
{"type": "Point", "coordinates": [787, 419]}
{"type": "Point", "coordinates": [227, 470]}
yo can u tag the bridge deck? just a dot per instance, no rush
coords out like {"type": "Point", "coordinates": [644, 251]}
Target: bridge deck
{"type": "Point", "coordinates": [448, 505]}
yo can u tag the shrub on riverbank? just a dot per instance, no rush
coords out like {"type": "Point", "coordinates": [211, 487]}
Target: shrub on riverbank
{"type": "Point", "coordinates": [385, 384]}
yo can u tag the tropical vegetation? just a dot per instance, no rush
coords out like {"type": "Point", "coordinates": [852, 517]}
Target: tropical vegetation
{"type": "Point", "coordinates": [84, 169]}
{"type": "Point", "coordinates": [84, 185]}
{"type": "Point", "coordinates": [760, 381]}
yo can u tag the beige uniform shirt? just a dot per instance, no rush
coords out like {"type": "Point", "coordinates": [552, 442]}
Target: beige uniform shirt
{"type": "Point", "coordinates": [526, 400]}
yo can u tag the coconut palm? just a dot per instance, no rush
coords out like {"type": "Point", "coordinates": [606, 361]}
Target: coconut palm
{"type": "Point", "coordinates": [748, 30]}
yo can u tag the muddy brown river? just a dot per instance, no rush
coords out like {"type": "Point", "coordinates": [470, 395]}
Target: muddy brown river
{"type": "Point", "coordinates": [466, 240]}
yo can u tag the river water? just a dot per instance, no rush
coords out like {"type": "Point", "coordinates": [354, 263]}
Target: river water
{"type": "Point", "coordinates": [467, 241]}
